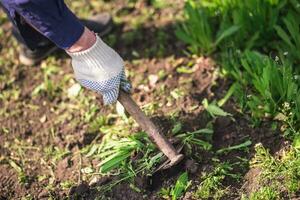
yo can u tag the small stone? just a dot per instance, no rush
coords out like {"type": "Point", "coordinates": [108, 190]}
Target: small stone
{"type": "Point", "coordinates": [74, 90]}
{"type": "Point", "coordinates": [141, 182]}
{"type": "Point", "coordinates": [188, 195]}
{"type": "Point", "coordinates": [222, 122]}
{"type": "Point", "coordinates": [43, 195]}
{"type": "Point", "coordinates": [94, 180]}
{"type": "Point", "coordinates": [43, 119]}
{"type": "Point", "coordinates": [98, 180]}
{"type": "Point", "coordinates": [152, 79]}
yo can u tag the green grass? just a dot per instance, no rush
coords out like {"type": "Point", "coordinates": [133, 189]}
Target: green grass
{"type": "Point", "coordinates": [48, 87]}
{"type": "Point", "coordinates": [264, 193]}
{"type": "Point", "coordinates": [198, 32]}
{"type": "Point", "coordinates": [124, 156]}
{"type": "Point", "coordinates": [55, 154]}
{"type": "Point", "coordinates": [289, 34]}
{"type": "Point", "coordinates": [176, 192]}
{"type": "Point", "coordinates": [281, 171]}
{"type": "Point", "coordinates": [200, 138]}
{"type": "Point", "coordinates": [22, 177]}
{"type": "Point", "coordinates": [211, 185]}
{"type": "Point", "coordinates": [272, 91]}
{"type": "Point", "coordinates": [212, 25]}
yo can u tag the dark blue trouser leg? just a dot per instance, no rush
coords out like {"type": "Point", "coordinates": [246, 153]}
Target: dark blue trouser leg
{"type": "Point", "coordinates": [33, 39]}
{"type": "Point", "coordinates": [50, 18]}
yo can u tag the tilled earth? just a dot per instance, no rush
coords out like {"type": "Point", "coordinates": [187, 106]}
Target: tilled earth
{"type": "Point", "coordinates": [41, 134]}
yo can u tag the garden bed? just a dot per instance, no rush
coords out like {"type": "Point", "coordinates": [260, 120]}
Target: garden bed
{"type": "Point", "coordinates": [48, 124]}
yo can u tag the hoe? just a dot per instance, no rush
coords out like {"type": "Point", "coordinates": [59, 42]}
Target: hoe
{"type": "Point", "coordinates": [153, 131]}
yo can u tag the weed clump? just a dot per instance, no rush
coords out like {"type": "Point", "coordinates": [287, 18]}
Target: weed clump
{"type": "Point", "coordinates": [280, 174]}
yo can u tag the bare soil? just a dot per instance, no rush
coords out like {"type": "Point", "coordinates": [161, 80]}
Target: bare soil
{"type": "Point", "coordinates": [226, 133]}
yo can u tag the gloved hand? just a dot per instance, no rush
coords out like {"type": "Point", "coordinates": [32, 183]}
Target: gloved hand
{"type": "Point", "coordinates": [101, 69]}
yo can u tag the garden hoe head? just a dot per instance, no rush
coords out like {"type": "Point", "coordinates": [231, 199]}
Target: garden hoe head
{"type": "Point", "coordinates": [153, 132]}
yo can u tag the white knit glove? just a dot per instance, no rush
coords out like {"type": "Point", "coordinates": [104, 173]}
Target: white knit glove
{"type": "Point", "coordinates": [101, 69]}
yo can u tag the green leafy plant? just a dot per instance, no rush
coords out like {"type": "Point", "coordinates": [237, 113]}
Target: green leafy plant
{"type": "Point", "coordinates": [115, 154]}
{"type": "Point", "coordinates": [125, 157]}
{"type": "Point", "coordinates": [214, 110]}
{"type": "Point", "coordinates": [180, 187]}
{"type": "Point", "coordinates": [241, 146]}
{"type": "Point", "coordinates": [114, 151]}
{"type": "Point", "coordinates": [48, 87]}
{"type": "Point", "coordinates": [165, 193]}
{"type": "Point", "coordinates": [199, 138]}
{"type": "Point", "coordinates": [22, 177]}
{"type": "Point", "coordinates": [263, 84]}
{"type": "Point", "coordinates": [55, 154]}
{"type": "Point", "coordinates": [229, 23]}
{"type": "Point", "coordinates": [197, 30]}
{"type": "Point", "coordinates": [211, 185]}
{"type": "Point", "coordinates": [247, 14]}
{"type": "Point", "coordinates": [290, 38]}
{"type": "Point", "coordinates": [192, 138]}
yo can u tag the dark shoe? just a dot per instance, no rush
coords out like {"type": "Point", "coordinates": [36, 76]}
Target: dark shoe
{"type": "Point", "coordinates": [31, 57]}
{"type": "Point", "coordinates": [101, 24]}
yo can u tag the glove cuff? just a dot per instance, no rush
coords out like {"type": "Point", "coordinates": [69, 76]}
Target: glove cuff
{"type": "Point", "coordinates": [98, 63]}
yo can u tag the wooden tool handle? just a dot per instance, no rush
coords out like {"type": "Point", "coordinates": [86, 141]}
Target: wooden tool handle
{"type": "Point", "coordinates": [147, 125]}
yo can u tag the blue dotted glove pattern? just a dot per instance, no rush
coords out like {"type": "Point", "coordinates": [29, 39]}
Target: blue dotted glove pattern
{"type": "Point", "coordinates": [109, 89]}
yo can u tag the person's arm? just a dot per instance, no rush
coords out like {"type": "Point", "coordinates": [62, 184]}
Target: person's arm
{"type": "Point", "coordinates": [96, 65]}
{"type": "Point", "coordinates": [87, 39]}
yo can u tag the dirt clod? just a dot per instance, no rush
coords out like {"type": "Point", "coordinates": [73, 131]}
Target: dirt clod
{"type": "Point", "coordinates": [142, 182]}
{"type": "Point", "coordinates": [191, 166]}
{"type": "Point", "coordinates": [80, 189]}
{"type": "Point", "coordinates": [43, 195]}
{"type": "Point", "coordinates": [7, 181]}
{"type": "Point", "coordinates": [252, 180]}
